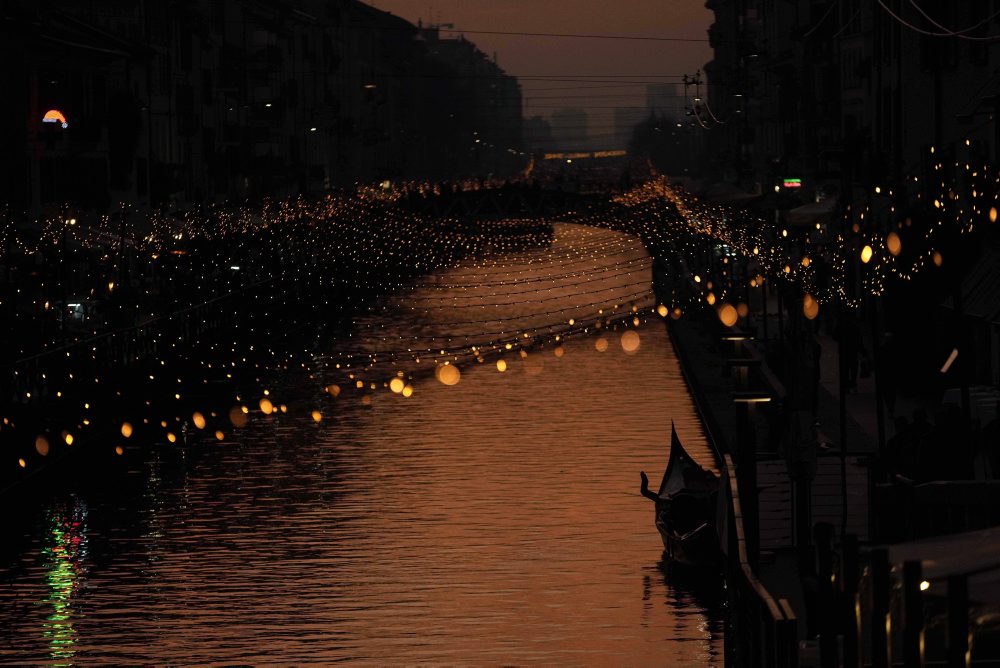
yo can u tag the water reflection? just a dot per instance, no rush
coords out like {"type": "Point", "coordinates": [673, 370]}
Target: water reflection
{"type": "Point", "coordinates": [64, 557]}
{"type": "Point", "coordinates": [696, 600]}
{"type": "Point", "coordinates": [494, 521]}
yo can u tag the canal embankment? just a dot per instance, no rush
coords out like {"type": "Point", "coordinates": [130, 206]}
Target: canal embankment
{"type": "Point", "coordinates": [817, 515]}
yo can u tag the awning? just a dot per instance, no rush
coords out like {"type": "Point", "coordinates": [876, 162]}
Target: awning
{"type": "Point", "coordinates": [973, 553]}
{"type": "Point", "coordinates": [812, 213]}
{"type": "Point", "coordinates": [727, 193]}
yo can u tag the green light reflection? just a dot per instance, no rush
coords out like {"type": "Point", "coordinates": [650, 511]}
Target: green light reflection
{"type": "Point", "coordinates": [63, 554]}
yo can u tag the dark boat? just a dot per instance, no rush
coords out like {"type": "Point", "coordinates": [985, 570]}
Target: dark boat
{"type": "Point", "coordinates": [685, 509]}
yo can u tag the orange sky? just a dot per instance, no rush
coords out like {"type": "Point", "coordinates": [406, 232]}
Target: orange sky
{"type": "Point", "coordinates": [646, 61]}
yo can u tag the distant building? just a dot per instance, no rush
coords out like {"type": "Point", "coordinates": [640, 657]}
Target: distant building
{"type": "Point", "coordinates": [486, 109]}
{"type": "Point", "coordinates": [569, 129]}
{"type": "Point", "coordinates": [537, 134]}
{"type": "Point", "coordinates": [873, 105]}
{"type": "Point", "coordinates": [626, 118]}
{"type": "Point", "coordinates": [663, 100]}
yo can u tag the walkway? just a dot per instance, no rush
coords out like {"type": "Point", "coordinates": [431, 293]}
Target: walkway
{"type": "Point", "coordinates": [706, 362]}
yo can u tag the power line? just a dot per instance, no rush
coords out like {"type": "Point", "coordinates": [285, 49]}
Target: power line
{"type": "Point", "coordinates": [822, 20]}
{"type": "Point", "coordinates": [590, 96]}
{"type": "Point", "coordinates": [958, 33]}
{"type": "Point", "coordinates": [597, 87]}
{"type": "Point", "coordinates": [576, 35]}
{"type": "Point", "coordinates": [929, 33]}
{"type": "Point", "coordinates": [849, 22]}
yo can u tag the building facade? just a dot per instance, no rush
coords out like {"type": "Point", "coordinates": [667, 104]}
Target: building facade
{"type": "Point", "coordinates": [851, 91]}
{"type": "Point", "coordinates": [208, 100]}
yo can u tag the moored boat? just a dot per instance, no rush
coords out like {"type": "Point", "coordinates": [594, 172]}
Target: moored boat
{"type": "Point", "coordinates": [685, 508]}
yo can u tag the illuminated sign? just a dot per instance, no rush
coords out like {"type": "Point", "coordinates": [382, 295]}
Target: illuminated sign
{"type": "Point", "coordinates": [582, 156]}
{"type": "Point", "coordinates": [792, 183]}
{"type": "Point", "coordinates": [55, 116]}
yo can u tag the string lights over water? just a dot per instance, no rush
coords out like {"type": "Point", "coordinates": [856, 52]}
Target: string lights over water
{"type": "Point", "coordinates": [502, 291]}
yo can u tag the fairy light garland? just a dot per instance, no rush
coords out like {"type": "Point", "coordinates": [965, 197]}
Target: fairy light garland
{"type": "Point", "coordinates": [286, 244]}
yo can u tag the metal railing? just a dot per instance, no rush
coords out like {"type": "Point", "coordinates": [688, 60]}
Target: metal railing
{"type": "Point", "coordinates": [762, 631]}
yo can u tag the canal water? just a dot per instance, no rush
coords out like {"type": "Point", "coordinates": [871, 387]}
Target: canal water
{"type": "Point", "coordinates": [496, 521]}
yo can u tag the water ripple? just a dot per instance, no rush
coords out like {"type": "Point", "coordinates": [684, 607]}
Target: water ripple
{"type": "Point", "coordinates": [494, 522]}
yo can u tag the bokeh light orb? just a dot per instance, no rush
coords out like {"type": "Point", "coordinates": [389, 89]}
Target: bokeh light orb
{"type": "Point", "coordinates": [448, 374]}
{"type": "Point", "coordinates": [631, 342]}
{"type": "Point", "coordinates": [237, 416]}
{"type": "Point", "coordinates": [728, 315]}
{"type": "Point", "coordinates": [810, 307]}
{"type": "Point", "coordinates": [894, 244]}
{"type": "Point", "coordinates": [601, 344]}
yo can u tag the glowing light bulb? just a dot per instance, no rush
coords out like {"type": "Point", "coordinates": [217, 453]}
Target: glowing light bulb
{"type": "Point", "coordinates": [810, 307]}
{"type": "Point", "coordinates": [448, 374]}
{"type": "Point", "coordinates": [630, 342]}
{"type": "Point", "coordinates": [894, 244]}
{"type": "Point", "coordinates": [728, 315]}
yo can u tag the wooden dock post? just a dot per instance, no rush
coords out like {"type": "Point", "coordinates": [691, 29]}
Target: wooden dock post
{"type": "Point", "coordinates": [849, 573]}
{"type": "Point", "coordinates": [959, 645]}
{"type": "Point", "coordinates": [913, 616]}
{"type": "Point", "coordinates": [880, 620]}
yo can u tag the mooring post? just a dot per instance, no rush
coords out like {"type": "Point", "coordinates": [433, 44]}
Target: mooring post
{"type": "Point", "coordinates": [849, 573]}
{"type": "Point", "coordinates": [913, 616]}
{"type": "Point", "coordinates": [881, 632]}
{"type": "Point", "coordinates": [959, 645]}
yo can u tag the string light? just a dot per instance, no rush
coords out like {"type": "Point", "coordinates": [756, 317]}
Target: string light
{"type": "Point", "coordinates": [488, 274]}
